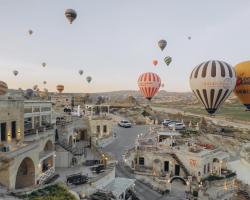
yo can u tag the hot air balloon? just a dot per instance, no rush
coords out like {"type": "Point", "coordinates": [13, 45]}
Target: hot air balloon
{"type": "Point", "coordinates": [44, 64]}
{"type": "Point", "coordinates": [60, 88]}
{"type": "Point", "coordinates": [242, 89]}
{"type": "Point", "coordinates": [88, 78]}
{"type": "Point", "coordinates": [80, 72]}
{"type": "Point", "coordinates": [168, 60]}
{"type": "Point", "coordinates": [212, 82]}
{"type": "Point", "coordinates": [162, 85]}
{"type": "Point", "coordinates": [162, 44]}
{"type": "Point", "coordinates": [189, 37]}
{"type": "Point", "coordinates": [44, 82]}
{"type": "Point", "coordinates": [149, 84]}
{"type": "Point", "coordinates": [155, 62]}
{"type": "Point", "coordinates": [15, 72]}
{"type": "Point", "coordinates": [43, 94]}
{"type": "Point", "coordinates": [29, 93]}
{"type": "Point", "coordinates": [35, 87]}
{"type": "Point", "coordinates": [3, 88]}
{"type": "Point", "coordinates": [70, 15]}
{"type": "Point", "coordinates": [30, 32]}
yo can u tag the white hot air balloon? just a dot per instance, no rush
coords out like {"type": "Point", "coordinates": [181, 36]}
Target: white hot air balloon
{"type": "Point", "coordinates": [212, 82]}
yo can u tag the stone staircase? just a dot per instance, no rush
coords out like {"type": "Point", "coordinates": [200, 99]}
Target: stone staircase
{"type": "Point", "coordinates": [242, 194]}
{"type": "Point", "coordinates": [174, 156]}
{"type": "Point", "coordinates": [76, 151]}
{"type": "Point", "coordinates": [46, 175]}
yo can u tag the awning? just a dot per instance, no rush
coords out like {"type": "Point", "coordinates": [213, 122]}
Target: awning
{"type": "Point", "coordinates": [119, 185]}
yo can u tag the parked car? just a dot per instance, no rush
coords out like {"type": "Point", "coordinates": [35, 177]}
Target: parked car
{"type": "Point", "coordinates": [176, 125]}
{"type": "Point", "coordinates": [125, 124]}
{"type": "Point", "coordinates": [166, 122]}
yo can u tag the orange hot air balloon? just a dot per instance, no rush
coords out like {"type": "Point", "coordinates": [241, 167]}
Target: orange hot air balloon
{"type": "Point", "coordinates": [60, 88]}
{"type": "Point", "coordinates": [149, 84]}
{"type": "Point", "coordinates": [155, 62]}
{"type": "Point", "coordinates": [3, 88]}
{"type": "Point", "coordinates": [242, 89]}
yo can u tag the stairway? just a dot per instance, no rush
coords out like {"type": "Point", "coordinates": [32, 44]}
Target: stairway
{"type": "Point", "coordinates": [181, 164]}
{"type": "Point", "coordinates": [243, 194]}
{"type": "Point", "coordinates": [74, 150]}
{"type": "Point", "coordinates": [46, 175]}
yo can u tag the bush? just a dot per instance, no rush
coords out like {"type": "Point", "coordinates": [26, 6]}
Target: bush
{"type": "Point", "coordinates": [53, 192]}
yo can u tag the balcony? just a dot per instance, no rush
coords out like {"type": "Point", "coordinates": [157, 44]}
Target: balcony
{"type": "Point", "coordinates": [225, 174]}
{"type": "Point", "coordinates": [17, 150]}
{"type": "Point", "coordinates": [41, 132]}
{"type": "Point", "coordinates": [41, 129]}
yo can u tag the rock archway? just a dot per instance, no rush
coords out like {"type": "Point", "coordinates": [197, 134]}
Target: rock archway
{"type": "Point", "coordinates": [25, 176]}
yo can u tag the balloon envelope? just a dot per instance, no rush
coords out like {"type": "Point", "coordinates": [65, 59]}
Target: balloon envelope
{"type": "Point", "coordinates": [162, 44]}
{"type": "Point", "coordinates": [43, 64]}
{"type": "Point", "coordinates": [15, 72]}
{"type": "Point", "coordinates": [60, 88]}
{"type": "Point", "coordinates": [88, 78]}
{"type": "Point", "coordinates": [168, 60]}
{"type": "Point", "coordinates": [155, 62]}
{"type": "Point", "coordinates": [149, 84]}
{"type": "Point", "coordinates": [29, 92]}
{"type": "Point", "coordinates": [242, 89]}
{"type": "Point", "coordinates": [70, 15]}
{"type": "Point", "coordinates": [80, 72]}
{"type": "Point", "coordinates": [212, 82]}
{"type": "Point", "coordinates": [3, 88]}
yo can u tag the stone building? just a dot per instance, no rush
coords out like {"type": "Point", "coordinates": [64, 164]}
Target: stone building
{"type": "Point", "coordinates": [60, 101]}
{"type": "Point", "coordinates": [100, 123]}
{"type": "Point", "coordinates": [165, 156]}
{"type": "Point", "coordinates": [26, 148]}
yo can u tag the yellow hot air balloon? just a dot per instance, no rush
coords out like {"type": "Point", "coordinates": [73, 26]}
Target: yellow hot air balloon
{"type": "Point", "coordinates": [60, 88]}
{"type": "Point", "coordinates": [242, 89]}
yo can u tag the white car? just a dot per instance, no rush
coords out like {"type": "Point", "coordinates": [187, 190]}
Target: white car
{"type": "Point", "coordinates": [176, 125]}
{"type": "Point", "coordinates": [125, 124]}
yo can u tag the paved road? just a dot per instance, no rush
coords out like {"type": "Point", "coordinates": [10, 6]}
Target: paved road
{"type": "Point", "coordinates": [125, 140]}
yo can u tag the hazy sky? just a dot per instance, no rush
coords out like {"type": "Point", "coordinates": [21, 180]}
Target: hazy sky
{"type": "Point", "coordinates": [114, 41]}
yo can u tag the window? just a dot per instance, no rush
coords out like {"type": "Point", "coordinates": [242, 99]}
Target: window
{"type": "Point", "coordinates": [141, 161]}
{"type": "Point", "coordinates": [36, 109]}
{"type": "Point", "coordinates": [27, 123]}
{"type": "Point", "coordinates": [3, 131]}
{"type": "Point", "coordinates": [208, 168]}
{"type": "Point", "coordinates": [98, 129]}
{"type": "Point", "coordinates": [36, 121]}
{"type": "Point", "coordinates": [205, 169]}
{"type": "Point", "coordinates": [28, 110]}
{"type": "Point", "coordinates": [166, 166]}
{"type": "Point", "coordinates": [105, 128]}
{"type": "Point", "coordinates": [13, 129]}
{"type": "Point", "coordinates": [45, 109]}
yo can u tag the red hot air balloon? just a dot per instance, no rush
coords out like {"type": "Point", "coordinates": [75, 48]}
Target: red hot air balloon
{"type": "Point", "coordinates": [155, 62]}
{"type": "Point", "coordinates": [149, 84]}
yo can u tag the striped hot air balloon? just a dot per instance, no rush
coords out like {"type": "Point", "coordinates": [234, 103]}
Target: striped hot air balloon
{"type": "Point", "coordinates": [3, 88]}
{"type": "Point", "coordinates": [60, 88]}
{"type": "Point", "coordinates": [212, 82]}
{"type": "Point", "coordinates": [242, 89]}
{"type": "Point", "coordinates": [168, 60]}
{"type": "Point", "coordinates": [70, 15]}
{"type": "Point", "coordinates": [149, 84]}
